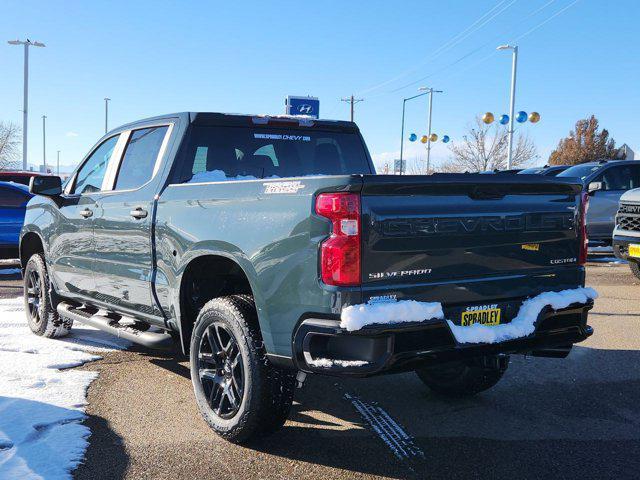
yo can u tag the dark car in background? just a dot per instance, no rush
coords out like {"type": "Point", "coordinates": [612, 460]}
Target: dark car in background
{"type": "Point", "coordinates": [13, 202]}
{"type": "Point", "coordinates": [605, 181]}
{"type": "Point", "coordinates": [547, 170]}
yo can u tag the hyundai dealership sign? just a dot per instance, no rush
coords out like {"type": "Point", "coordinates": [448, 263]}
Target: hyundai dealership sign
{"type": "Point", "coordinates": [309, 106]}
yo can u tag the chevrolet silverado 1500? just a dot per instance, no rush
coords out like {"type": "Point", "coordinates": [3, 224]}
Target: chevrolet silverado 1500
{"type": "Point", "coordinates": [268, 248]}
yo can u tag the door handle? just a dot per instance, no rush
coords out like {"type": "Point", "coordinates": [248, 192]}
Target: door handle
{"type": "Point", "coordinates": [86, 213]}
{"type": "Point", "coordinates": [138, 212]}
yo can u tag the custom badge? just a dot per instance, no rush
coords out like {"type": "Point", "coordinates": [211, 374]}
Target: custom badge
{"type": "Point", "coordinates": [282, 187]}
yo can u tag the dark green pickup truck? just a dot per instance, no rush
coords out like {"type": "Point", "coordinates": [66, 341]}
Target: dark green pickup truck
{"type": "Point", "coordinates": [268, 248]}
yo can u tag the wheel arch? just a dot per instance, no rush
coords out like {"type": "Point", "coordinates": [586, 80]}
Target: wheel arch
{"type": "Point", "coordinates": [30, 242]}
{"type": "Point", "coordinates": [209, 275]}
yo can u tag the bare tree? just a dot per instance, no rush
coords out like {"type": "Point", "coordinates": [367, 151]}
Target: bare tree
{"type": "Point", "coordinates": [485, 147]}
{"type": "Point", "coordinates": [10, 138]}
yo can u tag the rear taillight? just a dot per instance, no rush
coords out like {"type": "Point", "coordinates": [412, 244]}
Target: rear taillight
{"type": "Point", "coordinates": [340, 253]}
{"type": "Point", "coordinates": [584, 241]}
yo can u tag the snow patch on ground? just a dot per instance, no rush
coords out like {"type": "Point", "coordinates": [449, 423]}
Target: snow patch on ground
{"type": "Point", "coordinates": [355, 317]}
{"type": "Point", "coordinates": [524, 322]}
{"type": "Point", "coordinates": [41, 406]}
{"type": "Point", "coordinates": [328, 363]}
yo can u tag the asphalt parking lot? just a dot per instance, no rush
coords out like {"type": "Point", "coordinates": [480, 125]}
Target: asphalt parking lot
{"type": "Point", "coordinates": [572, 418]}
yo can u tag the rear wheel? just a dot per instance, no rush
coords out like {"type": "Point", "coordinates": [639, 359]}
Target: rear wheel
{"type": "Point", "coordinates": [464, 378]}
{"type": "Point", "coordinates": [635, 269]}
{"type": "Point", "coordinates": [41, 313]}
{"type": "Point", "coordinates": [239, 393]}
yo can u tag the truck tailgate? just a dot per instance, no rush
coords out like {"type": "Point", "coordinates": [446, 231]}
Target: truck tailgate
{"type": "Point", "coordinates": [465, 227]}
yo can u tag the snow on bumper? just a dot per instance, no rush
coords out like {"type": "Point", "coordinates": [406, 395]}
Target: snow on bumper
{"type": "Point", "coordinates": [524, 323]}
{"type": "Point", "coordinates": [356, 317]}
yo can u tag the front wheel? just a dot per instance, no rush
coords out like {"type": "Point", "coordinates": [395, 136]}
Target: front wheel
{"type": "Point", "coordinates": [239, 393]}
{"type": "Point", "coordinates": [464, 378]}
{"type": "Point", "coordinates": [41, 313]}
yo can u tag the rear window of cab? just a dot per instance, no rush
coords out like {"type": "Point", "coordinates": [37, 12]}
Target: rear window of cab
{"type": "Point", "coordinates": [238, 153]}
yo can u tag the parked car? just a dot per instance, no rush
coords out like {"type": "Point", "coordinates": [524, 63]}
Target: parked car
{"type": "Point", "coordinates": [605, 181]}
{"type": "Point", "coordinates": [19, 177]}
{"type": "Point", "coordinates": [13, 202]}
{"type": "Point", "coordinates": [269, 249]}
{"type": "Point", "coordinates": [549, 170]}
{"type": "Point", "coordinates": [626, 236]}
{"type": "Point", "coordinates": [511, 171]}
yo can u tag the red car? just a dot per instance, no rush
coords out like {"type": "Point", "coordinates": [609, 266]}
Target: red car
{"type": "Point", "coordinates": [19, 177]}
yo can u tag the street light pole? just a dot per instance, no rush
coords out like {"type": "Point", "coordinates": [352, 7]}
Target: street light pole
{"type": "Point", "coordinates": [512, 101]}
{"type": "Point", "coordinates": [430, 91]}
{"type": "Point", "coordinates": [44, 143]}
{"type": "Point", "coordinates": [106, 114]}
{"type": "Point", "coordinates": [25, 100]}
{"type": "Point", "coordinates": [404, 103]}
{"type": "Point", "coordinates": [58, 164]}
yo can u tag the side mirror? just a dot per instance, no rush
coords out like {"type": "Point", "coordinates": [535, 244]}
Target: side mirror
{"type": "Point", "coordinates": [594, 187]}
{"type": "Point", "coordinates": [49, 186]}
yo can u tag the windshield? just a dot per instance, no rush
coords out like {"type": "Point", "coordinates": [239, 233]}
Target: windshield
{"type": "Point", "coordinates": [531, 171]}
{"type": "Point", "coordinates": [239, 153]}
{"type": "Point", "coordinates": [580, 171]}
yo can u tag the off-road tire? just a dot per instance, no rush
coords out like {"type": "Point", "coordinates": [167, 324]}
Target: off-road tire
{"type": "Point", "coordinates": [41, 314]}
{"type": "Point", "coordinates": [462, 379]}
{"type": "Point", "coordinates": [635, 269]}
{"type": "Point", "coordinates": [267, 391]}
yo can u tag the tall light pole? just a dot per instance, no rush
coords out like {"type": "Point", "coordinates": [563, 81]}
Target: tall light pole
{"type": "Point", "coordinates": [430, 91]}
{"type": "Point", "coordinates": [58, 164]}
{"type": "Point", "coordinates": [25, 100]}
{"type": "Point", "coordinates": [44, 143]}
{"type": "Point", "coordinates": [404, 104]}
{"type": "Point", "coordinates": [512, 102]}
{"type": "Point", "coordinates": [106, 114]}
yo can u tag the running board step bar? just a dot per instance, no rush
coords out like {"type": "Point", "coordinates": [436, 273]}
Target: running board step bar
{"type": "Point", "coordinates": [102, 321]}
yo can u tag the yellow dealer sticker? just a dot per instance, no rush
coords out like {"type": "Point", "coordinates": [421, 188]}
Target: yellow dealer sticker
{"type": "Point", "coordinates": [634, 250]}
{"type": "Point", "coordinates": [487, 316]}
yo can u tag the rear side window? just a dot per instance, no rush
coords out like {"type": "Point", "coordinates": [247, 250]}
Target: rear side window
{"type": "Point", "coordinates": [228, 153]}
{"type": "Point", "coordinates": [91, 174]}
{"type": "Point", "coordinates": [140, 157]}
{"type": "Point", "coordinates": [10, 198]}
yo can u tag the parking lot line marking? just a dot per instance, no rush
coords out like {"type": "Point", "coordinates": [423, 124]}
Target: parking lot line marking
{"type": "Point", "coordinates": [389, 431]}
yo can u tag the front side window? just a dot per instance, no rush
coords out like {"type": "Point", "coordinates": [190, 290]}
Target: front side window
{"type": "Point", "coordinates": [139, 157]}
{"type": "Point", "coordinates": [623, 177]}
{"type": "Point", "coordinates": [236, 153]}
{"type": "Point", "coordinates": [91, 174]}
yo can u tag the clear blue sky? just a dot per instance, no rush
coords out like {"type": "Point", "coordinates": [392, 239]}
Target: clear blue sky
{"type": "Point", "coordinates": [246, 56]}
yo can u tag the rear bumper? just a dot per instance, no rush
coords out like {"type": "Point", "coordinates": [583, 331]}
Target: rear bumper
{"type": "Point", "coordinates": [321, 346]}
{"type": "Point", "coordinates": [621, 247]}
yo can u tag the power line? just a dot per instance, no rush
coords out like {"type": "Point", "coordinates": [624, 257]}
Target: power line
{"type": "Point", "coordinates": [352, 100]}
{"type": "Point", "coordinates": [455, 40]}
{"type": "Point", "coordinates": [477, 49]}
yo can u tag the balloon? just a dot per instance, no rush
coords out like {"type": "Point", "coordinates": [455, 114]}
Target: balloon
{"type": "Point", "coordinates": [413, 137]}
{"type": "Point", "coordinates": [504, 119]}
{"type": "Point", "coordinates": [424, 139]}
{"type": "Point", "coordinates": [433, 137]}
{"type": "Point", "coordinates": [487, 118]}
{"type": "Point", "coordinates": [445, 138]}
{"type": "Point", "coordinates": [521, 117]}
{"type": "Point", "coordinates": [534, 117]}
